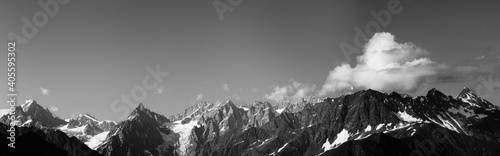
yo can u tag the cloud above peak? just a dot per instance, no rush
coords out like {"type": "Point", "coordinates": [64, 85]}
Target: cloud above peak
{"type": "Point", "coordinates": [225, 86]}
{"type": "Point", "coordinates": [44, 91]}
{"type": "Point", "coordinates": [159, 90]}
{"type": "Point", "coordinates": [293, 92]}
{"type": "Point", "coordinates": [53, 108]}
{"type": "Point", "coordinates": [199, 97]}
{"type": "Point", "coordinates": [384, 65]}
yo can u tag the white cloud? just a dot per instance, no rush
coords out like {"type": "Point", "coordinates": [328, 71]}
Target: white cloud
{"type": "Point", "coordinates": [384, 65]}
{"type": "Point", "coordinates": [44, 91]}
{"type": "Point", "coordinates": [53, 108]}
{"type": "Point", "coordinates": [199, 97]}
{"type": "Point", "coordinates": [255, 90]}
{"type": "Point", "coordinates": [293, 92]}
{"type": "Point", "coordinates": [159, 90]}
{"type": "Point", "coordinates": [480, 57]}
{"type": "Point", "coordinates": [225, 87]}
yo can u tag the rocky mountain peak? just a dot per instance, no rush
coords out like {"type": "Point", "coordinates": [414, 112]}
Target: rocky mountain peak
{"type": "Point", "coordinates": [139, 110]}
{"type": "Point", "coordinates": [29, 104]}
{"type": "Point", "coordinates": [435, 93]}
{"type": "Point", "coordinates": [140, 107]}
{"type": "Point", "coordinates": [32, 112]}
{"type": "Point", "coordinates": [470, 97]}
{"type": "Point", "coordinates": [467, 93]}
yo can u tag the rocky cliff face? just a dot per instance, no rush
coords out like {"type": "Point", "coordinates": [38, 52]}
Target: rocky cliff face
{"type": "Point", "coordinates": [321, 128]}
{"type": "Point", "coordinates": [143, 133]}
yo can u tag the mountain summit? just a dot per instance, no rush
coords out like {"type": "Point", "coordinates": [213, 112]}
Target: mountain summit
{"type": "Point", "coordinates": [31, 113]}
{"type": "Point", "coordinates": [143, 133]}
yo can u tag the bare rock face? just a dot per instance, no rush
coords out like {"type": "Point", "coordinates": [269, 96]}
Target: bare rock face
{"type": "Point", "coordinates": [260, 113]}
{"type": "Point", "coordinates": [194, 110]}
{"type": "Point", "coordinates": [143, 133]}
{"type": "Point", "coordinates": [369, 122]}
{"type": "Point", "coordinates": [296, 106]}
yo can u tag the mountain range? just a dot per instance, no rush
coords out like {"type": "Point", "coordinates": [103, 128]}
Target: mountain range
{"type": "Point", "coordinates": [365, 122]}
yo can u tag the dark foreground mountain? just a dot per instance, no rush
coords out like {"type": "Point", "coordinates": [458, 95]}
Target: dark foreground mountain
{"type": "Point", "coordinates": [42, 141]}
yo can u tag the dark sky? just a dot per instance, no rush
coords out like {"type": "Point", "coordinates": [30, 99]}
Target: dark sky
{"type": "Point", "coordinates": [91, 52]}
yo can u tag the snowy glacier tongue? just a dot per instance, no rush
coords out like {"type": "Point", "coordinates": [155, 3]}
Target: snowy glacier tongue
{"type": "Point", "coordinates": [97, 140]}
{"type": "Point", "coordinates": [184, 130]}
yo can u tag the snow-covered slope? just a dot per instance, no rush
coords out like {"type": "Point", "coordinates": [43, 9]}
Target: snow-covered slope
{"type": "Point", "coordinates": [85, 127]}
{"type": "Point", "coordinates": [184, 130]}
{"type": "Point", "coordinates": [97, 140]}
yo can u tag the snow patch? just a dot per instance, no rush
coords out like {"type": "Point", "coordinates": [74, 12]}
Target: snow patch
{"type": "Point", "coordinates": [368, 128]}
{"type": "Point", "coordinates": [283, 147]}
{"type": "Point", "coordinates": [379, 126]}
{"type": "Point", "coordinates": [27, 105]}
{"type": "Point", "coordinates": [342, 137]}
{"type": "Point", "coordinates": [447, 124]}
{"type": "Point", "coordinates": [280, 110]}
{"type": "Point", "coordinates": [27, 122]}
{"type": "Point", "coordinates": [96, 140]}
{"type": "Point", "coordinates": [77, 130]}
{"type": "Point", "coordinates": [466, 100]}
{"type": "Point", "coordinates": [398, 126]}
{"type": "Point", "coordinates": [407, 117]}
{"type": "Point", "coordinates": [244, 108]}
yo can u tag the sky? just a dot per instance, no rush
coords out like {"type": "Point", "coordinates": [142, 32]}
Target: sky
{"type": "Point", "coordinates": [85, 55]}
